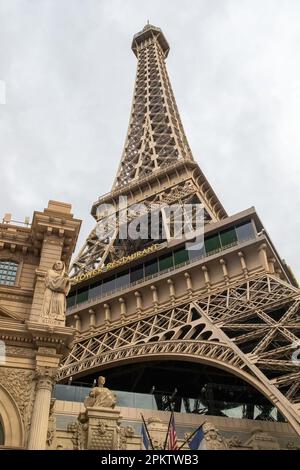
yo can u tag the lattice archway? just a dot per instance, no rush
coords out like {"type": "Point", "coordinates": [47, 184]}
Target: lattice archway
{"type": "Point", "coordinates": [205, 352]}
{"type": "Point", "coordinates": [250, 330]}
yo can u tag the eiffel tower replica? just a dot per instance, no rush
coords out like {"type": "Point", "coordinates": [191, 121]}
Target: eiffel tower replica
{"type": "Point", "coordinates": [232, 305]}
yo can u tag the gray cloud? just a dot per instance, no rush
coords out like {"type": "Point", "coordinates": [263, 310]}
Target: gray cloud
{"type": "Point", "coordinates": [69, 73]}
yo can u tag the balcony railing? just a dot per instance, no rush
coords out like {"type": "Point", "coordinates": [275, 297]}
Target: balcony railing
{"type": "Point", "coordinates": [162, 402]}
{"type": "Point", "coordinates": [124, 287]}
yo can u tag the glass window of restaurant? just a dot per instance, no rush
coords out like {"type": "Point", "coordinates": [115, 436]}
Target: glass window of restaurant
{"type": "Point", "coordinates": [228, 237]}
{"type": "Point", "coordinates": [137, 273]}
{"type": "Point", "coordinates": [71, 300]}
{"type": "Point", "coordinates": [245, 231]}
{"type": "Point", "coordinates": [151, 267]}
{"type": "Point", "coordinates": [166, 261]}
{"type": "Point", "coordinates": [180, 256]}
{"type": "Point", "coordinates": [122, 279]}
{"type": "Point", "coordinates": [212, 243]}
{"type": "Point", "coordinates": [82, 294]}
{"type": "Point", "coordinates": [95, 289]}
{"type": "Point", "coordinates": [108, 284]}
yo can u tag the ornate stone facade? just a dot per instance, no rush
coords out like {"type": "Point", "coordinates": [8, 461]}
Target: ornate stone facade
{"type": "Point", "coordinates": [20, 384]}
{"type": "Point", "coordinates": [32, 347]}
{"type": "Point", "coordinates": [246, 436]}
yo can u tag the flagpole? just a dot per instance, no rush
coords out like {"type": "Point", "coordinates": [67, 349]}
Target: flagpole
{"type": "Point", "coordinates": [192, 435]}
{"type": "Point", "coordinates": [149, 437]}
{"type": "Point", "coordinates": [167, 435]}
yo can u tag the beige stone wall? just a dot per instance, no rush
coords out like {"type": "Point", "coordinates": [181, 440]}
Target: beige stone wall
{"type": "Point", "coordinates": [235, 433]}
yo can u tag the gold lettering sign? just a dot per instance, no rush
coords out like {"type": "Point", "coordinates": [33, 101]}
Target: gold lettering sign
{"type": "Point", "coordinates": [117, 263]}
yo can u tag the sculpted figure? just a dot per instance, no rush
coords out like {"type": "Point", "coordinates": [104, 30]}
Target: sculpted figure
{"type": "Point", "coordinates": [214, 441]}
{"type": "Point", "coordinates": [100, 396]}
{"type": "Point", "coordinates": [57, 285]}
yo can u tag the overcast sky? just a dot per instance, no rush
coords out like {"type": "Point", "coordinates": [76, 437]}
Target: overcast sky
{"type": "Point", "coordinates": [69, 74]}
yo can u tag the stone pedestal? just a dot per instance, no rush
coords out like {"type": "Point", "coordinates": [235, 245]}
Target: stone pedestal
{"type": "Point", "coordinates": [103, 432]}
{"type": "Point", "coordinates": [158, 432]}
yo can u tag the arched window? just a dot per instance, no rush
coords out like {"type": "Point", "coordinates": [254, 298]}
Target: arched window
{"type": "Point", "coordinates": [8, 272]}
{"type": "Point", "coordinates": [1, 434]}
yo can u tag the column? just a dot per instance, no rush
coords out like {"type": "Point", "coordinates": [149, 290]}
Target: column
{"type": "Point", "coordinates": [139, 303]}
{"type": "Point", "coordinates": [224, 270]}
{"type": "Point", "coordinates": [92, 315]}
{"type": "Point", "coordinates": [263, 256]}
{"type": "Point", "coordinates": [107, 314]}
{"type": "Point", "coordinates": [171, 290]}
{"type": "Point", "coordinates": [41, 409]}
{"type": "Point", "coordinates": [154, 296]}
{"type": "Point", "coordinates": [123, 309]}
{"type": "Point", "coordinates": [77, 322]}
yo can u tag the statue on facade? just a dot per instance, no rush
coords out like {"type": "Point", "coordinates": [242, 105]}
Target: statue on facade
{"type": "Point", "coordinates": [57, 287]}
{"type": "Point", "coordinates": [213, 438]}
{"type": "Point", "coordinates": [100, 396]}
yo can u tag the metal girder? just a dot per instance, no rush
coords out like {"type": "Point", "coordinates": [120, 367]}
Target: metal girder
{"type": "Point", "coordinates": [262, 341]}
{"type": "Point", "coordinates": [155, 137]}
{"type": "Point", "coordinates": [210, 329]}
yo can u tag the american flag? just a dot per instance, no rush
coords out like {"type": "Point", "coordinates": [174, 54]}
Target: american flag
{"type": "Point", "coordinates": [172, 437]}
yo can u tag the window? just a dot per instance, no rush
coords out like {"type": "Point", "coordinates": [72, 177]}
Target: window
{"type": "Point", "coordinates": [82, 294]}
{"type": "Point", "coordinates": [8, 272]}
{"type": "Point", "coordinates": [122, 279]}
{"type": "Point", "coordinates": [151, 267]}
{"type": "Point", "coordinates": [245, 232]}
{"type": "Point", "coordinates": [108, 284]}
{"type": "Point", "coordinates": [95, 289]}
{"type": "Point", "coordinates": [228, 237]}
{"type": "Point", "coordinates": [212, 244]}
{"type": "Point", "coordinates": [137, 273]}
{"type": "Point", "coordinates": [71, 300]}
{"type": "Point", "coordinates": [180, 256]}
{"type": "Point", "coordinates": [195, 250]}
{"type": "Point", "coordinates": [166, 261]}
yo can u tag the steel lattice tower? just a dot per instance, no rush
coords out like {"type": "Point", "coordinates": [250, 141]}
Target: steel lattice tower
{"type": "Point", "coordinates": [155, 142]}
{"type": "Point", "coordinates": [156, 136]}
{"type": "Point", "coordinates": [234, 306]}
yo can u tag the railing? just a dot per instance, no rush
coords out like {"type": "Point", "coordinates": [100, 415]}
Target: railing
{"type": "Point", "coordinates": [159, 402]}
{"type": "Point", "coordinates": [155, 275]}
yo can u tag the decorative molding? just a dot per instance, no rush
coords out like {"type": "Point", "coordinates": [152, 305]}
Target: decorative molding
{"type": "Point", "coordinates": [45, 377]}
{"type": "Point", "coordinates": [20, 383]}
{"type": "Point", "coordinates": [16, 351]}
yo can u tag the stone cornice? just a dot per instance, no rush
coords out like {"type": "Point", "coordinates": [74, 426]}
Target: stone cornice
{"type": "Point", "coordinates": [35, 333]}
{"type": "Point", "coordinates": [43, 334]}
